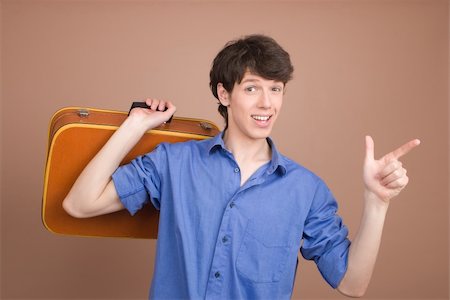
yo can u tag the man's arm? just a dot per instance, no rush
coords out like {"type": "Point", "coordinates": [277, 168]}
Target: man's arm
{"type": "Point", "coordinates": [383, 179]}
{"type": "Point", "coordinates": [94, 193]}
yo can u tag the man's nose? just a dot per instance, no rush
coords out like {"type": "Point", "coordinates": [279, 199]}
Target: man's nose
{"type": "Point", "coordinates": [265, 100]}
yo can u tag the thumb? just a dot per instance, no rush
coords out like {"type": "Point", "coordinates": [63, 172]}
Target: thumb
{"type": "Point", "coordinates": [369, 148]}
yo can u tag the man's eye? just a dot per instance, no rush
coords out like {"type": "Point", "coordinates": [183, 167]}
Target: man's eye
{"type": "Point", "coordinates": [250, 89]}
{"type": "Point", "coordinates": [277, 89]}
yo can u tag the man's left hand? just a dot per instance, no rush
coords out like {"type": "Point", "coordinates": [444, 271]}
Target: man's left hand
{"type": "Point", "coordinates": [386, 177]}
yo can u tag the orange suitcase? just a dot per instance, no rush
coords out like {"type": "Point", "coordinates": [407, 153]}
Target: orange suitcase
{"type": "Point", "coordinates": [75, 136]}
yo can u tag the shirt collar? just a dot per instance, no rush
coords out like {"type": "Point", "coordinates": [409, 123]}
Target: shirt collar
{"type": "Point", "coordinates": [277, 162]}
{"type": "Point", "coordinates": [216, 143]}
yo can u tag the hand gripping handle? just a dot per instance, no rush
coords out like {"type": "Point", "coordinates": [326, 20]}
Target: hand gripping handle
{"type": "Point", "coordinates": [144, 105]}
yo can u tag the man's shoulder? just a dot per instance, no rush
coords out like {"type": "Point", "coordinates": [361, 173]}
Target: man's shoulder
{"type": "Point", "coordinates": [296, 169]}
{"type": "Point", "coordinates": [186, 146]}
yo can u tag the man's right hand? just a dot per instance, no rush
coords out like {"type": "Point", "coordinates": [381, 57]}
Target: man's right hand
{"type": "Point", "coordinates": [155, 115]}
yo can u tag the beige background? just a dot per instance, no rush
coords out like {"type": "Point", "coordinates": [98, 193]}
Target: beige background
{"type": "Point", "coordinates": [361, 67]}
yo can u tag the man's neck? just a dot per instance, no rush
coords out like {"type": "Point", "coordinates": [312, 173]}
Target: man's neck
{"type": "Point", "coordinates": [245, 150]}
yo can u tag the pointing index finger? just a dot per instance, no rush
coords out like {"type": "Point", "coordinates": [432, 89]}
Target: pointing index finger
{"type": "Point", "coordinates": [402, 150]}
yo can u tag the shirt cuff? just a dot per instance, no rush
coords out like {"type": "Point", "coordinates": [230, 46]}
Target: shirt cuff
{"type": "Point", "coordinates": [333, 264]}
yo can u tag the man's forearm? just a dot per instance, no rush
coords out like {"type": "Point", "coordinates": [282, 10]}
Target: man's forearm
{"type": "Point", "coordinates": [92, 182]}
{"type": "Point", "coordinates": [364, 248]}
{"type": "Point", "coordinates": [384, 179]}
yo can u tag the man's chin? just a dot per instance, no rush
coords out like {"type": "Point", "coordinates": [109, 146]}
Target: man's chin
{"type": "Point", "coordinates": [262, 134]}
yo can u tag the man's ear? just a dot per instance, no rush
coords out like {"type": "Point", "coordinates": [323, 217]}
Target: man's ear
{"type": "Point", "coordinates": [222, 93]}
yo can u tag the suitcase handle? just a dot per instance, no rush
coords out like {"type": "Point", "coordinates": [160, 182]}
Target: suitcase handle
{"type": "Point", "coordinates": [144, 105]}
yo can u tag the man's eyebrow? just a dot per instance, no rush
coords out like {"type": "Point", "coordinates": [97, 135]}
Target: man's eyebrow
{"type": "Point", "coordinates": [250, 80]}
{"type": "Point", "coordinates": [257, 80]}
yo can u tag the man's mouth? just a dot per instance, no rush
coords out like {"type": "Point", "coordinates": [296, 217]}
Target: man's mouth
{"type": "Point", "coordinates": [261, 118]}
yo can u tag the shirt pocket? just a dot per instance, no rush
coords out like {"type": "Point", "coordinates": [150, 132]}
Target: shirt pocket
{"type": "Point", "coordinates": [263, 258]}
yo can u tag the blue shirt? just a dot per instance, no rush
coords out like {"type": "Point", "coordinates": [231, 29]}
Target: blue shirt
{"type": "Point", "coordinates": [220, 240]}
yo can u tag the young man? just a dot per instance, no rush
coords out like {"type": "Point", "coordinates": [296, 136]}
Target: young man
{"type": "Point", "coordinates": [234, 212]}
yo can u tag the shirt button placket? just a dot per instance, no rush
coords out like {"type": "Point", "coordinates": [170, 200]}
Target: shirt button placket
{"type": "Point", "coordinates": [222, 253]}
{"type": "Point", "coordinates": [221, 256]}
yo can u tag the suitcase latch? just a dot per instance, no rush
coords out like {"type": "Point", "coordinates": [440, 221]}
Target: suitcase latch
{"type": "Point", "coordinates": [205, 126]}
{"type": "Point", "coordinates": [83, 113]}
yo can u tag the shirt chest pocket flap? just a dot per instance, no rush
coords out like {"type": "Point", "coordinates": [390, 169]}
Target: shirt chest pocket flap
{"type": "Point", "coordinates": [264, 253]}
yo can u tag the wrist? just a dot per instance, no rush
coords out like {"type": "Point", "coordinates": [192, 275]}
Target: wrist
{"type": "Point", "coordinates": [136, 124]}
{"type": "Point", "coordinates": [374, 203]}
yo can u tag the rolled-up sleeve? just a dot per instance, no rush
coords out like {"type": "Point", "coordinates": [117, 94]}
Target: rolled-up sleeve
{"type": "Point", "coordinates": [139, 181]}
{"type": "Point", "coordinates": [325, 237]}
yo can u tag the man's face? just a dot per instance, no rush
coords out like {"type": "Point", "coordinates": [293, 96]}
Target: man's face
{"type": "Point", "coordinates": [253, 106]}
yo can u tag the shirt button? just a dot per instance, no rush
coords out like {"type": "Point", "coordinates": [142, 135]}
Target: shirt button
{"type": "Point", "coordinates": [236, 170]}
{"type": "Point", "coordinates": [225, 239]}
{"type": "Point", "coordinates": [217, 274]}
{"type": "Point", "coordinates": [231, 204]}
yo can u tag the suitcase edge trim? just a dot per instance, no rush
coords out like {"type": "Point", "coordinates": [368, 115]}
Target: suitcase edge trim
{"type": "Point", "coordinates": [78, 108]}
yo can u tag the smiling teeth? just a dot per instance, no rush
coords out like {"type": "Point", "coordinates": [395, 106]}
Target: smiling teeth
{"type": "Point", "coordinates": [261, 118]}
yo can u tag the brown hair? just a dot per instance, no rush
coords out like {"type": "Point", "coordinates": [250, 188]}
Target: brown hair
{"type": "Point", "coordinates": [259, 54]}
